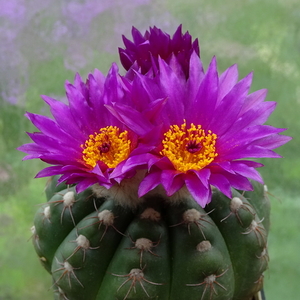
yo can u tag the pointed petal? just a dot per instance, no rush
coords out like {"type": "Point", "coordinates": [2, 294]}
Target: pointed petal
{"type": "Point", "coordinates": [206, 97]}
{"type": "Point", "coordinates": [221, 182]}
{"type": "Point", "coordinates": [244, 170]}
{"type": "Point", "coordinates": [131, 118]}
{"type": "Point", "coordinates": [198, 191]}
{"type": "Point", "coordinates": [150, 182]}
{"type": "Point", "coordinates": [223, 117]}
{"type": "Point", "coordinates": [79, 109]}
{"type": "Point", "coordinates": [203, 175]}
{"type": "Point", "coordinates": [63, 117]}
{"type": "Point", "coordinates": [196, 75]}
{"type": "Point", "coordinates": [49, 171]}
{"type": "Point", "coordinates": [49, 127]}
{"type": "Point", "coordinates": [173, 88]}
{"type": "Point", "coordinates": [227, 81]}
{"type": "Point", "coordinates": [253, 100]}
{"type": "Point", "coordinates": [172, 181]}
{"type": "Point", "coordinates": [273, 141]}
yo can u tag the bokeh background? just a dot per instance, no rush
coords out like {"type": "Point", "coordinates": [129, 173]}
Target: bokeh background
{"type": "Point", "coordinates": [43, 43]}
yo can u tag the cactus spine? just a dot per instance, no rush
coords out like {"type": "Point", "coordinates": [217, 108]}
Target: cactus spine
{"type": "Point", "coordinates": [96, 249]}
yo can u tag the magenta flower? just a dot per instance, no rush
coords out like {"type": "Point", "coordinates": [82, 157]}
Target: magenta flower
{"type": "Point", "coordinates": [84, 142]}
{"type": "Point", "coordinates": [185, 129]}
{"type": "Point", "coordinates": [145, 49]}
{"type": "Point", "coordinates": [205, 135]}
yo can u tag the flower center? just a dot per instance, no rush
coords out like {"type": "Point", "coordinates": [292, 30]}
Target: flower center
{"type": "Point", "coordinates": [189, 148]}
{"type": "Point", "coordinates": [109, 145]}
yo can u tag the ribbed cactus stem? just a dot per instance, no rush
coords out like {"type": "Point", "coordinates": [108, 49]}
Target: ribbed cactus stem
{"type": "Point", "coordinates": [96, 249]}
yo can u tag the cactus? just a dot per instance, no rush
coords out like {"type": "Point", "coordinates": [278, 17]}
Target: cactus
{"type": "Point", "coordinates": [165, 145]}
{"type": "Point", "coordinates": [97, 249]}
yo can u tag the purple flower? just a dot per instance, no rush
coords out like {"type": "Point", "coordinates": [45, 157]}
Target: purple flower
{"type": "Point", "coordinates": [84, 142]}
{"type": "Point", "coordinates": [205, 134]}
{"type": "Point", "coordinates": [145, 49]}
{"type": "Point", "coordinates": [167, 121]}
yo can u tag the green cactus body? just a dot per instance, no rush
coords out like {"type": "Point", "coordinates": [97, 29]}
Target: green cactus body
{"type": "Point", "coordinates": [96, 249]}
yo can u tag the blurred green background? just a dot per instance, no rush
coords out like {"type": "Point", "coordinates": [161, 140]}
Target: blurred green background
{"type": "Point", "coordinates": [45, 43]}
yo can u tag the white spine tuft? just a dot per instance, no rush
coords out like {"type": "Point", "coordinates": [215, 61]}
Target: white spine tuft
{"type": "Point", "coordinates": [47, 212]}
{"type": "Point", "coordinates": [143, 244]}
{"type": "Point", "coordinates": [33, 230]}
{"type": "Point", "coordinates": [83, 242]}
{"type": "Point", "coordinates": [235, 204]}
{"type": "Point", "coordinates": [204, 246]}
{"type": "Point", "coordinates": [69, 198]}
{"type": "Point", "coordinates": [68, 267]}
{"type": "Point", "coordinates": [191, 215]}
{"type": "Point", "coordinates": [107, 217]}
{"type": "Point", "coordinates": [150, 214]}
{"type": "Point", "coordinates": [137, 274]}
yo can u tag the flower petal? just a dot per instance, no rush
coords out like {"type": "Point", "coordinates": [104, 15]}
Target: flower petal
{"type": "Point", "coordinates": [131, 118]}
{"type": "Point", "coordinates": [227, 81]}
{"type": "Point", "coordinates": [222, 183]}
{"type": "Point", "coordinates": [49, 127]}
{"type": "Point", "coordinates": [172, 181]}
{"type": "Point", "coordinates": [244, 170]}
{"type": "Point", "coordinates": [203, 107]}
{"type": "Point", "coordinates": [230, 106]}
{"type": "Point", "coordinates": [64, 118]}
{"type": "Point", "coordinates": [199, 192]}
{"type": "Point", "coordinates": [151, 181]}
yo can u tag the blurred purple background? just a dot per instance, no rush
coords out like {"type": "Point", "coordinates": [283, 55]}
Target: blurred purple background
{"type": "Point", "coordinates": [78, 31]}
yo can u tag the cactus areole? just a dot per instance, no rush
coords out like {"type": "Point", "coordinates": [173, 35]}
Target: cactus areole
{"type": "Point", "coordinates": [95, 248]}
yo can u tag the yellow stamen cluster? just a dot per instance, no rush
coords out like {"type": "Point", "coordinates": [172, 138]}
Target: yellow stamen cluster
{"type": "Point", "coordinates": [109, 145]}
{"type": "Point", "coordinates": [189, 148]}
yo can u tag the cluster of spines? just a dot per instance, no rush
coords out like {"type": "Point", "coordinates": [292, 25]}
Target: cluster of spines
{"type": "Point", "coordinates": [244, 224]}
{"type": "Point", "coordinates": [106, 253]}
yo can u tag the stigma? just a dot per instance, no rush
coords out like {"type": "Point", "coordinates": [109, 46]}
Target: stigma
{"type": "Point", "coordinates": [109, 146]}
{"type": "Point", "coordinates": [190, 148]}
